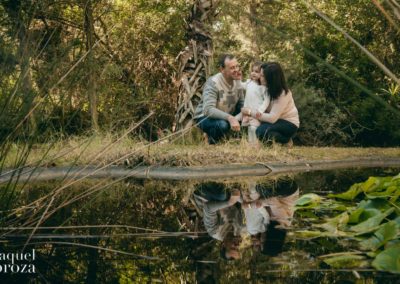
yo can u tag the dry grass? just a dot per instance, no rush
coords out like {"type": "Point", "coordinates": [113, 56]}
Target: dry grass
{"type": "Point", "coordinates": [89, 150]}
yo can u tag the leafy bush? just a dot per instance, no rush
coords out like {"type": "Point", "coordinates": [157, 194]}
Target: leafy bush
{"type": "Point", "coordinates": [321, 121]}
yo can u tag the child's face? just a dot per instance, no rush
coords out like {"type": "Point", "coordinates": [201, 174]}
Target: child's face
{"type": "Point", "coordinates": [255, 73]}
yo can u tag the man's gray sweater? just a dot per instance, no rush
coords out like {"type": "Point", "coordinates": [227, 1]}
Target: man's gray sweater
{"type": "Point", "coordinates": [220, 99]}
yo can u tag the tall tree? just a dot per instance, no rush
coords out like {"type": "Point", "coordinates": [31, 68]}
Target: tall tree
{"type": "Point", "coordinates": [253, 23]}
{"type": "Point", "coordinates": [20, 14]}
{"type": "Point", "coordinates": [195, 60]}
{"type": "Point", "coordinates": [91, 83]}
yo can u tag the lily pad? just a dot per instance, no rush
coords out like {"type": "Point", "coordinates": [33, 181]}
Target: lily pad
{"type": "Point", "coordinates": [388, 260]}
{"type": "Point", "coordinates": [374, 184]}
{"type": "Point", "coordinates": [308, 201]}
{"type": "Point", "coordinates": [385, 233]}
{"type": "Point", "coordinates": [348, 261]}
{"type": "Point", "coordinates": [389, 192]}
{"type": "Point", "coordinates": [355, 215]}
{"type": "Point", "coordinates": [397, 177]}
{"type": "Point", "coordinates": [380, 204]}
{"type": "Point", "coordinates": [354, 190]}
{"type": "Point", "coordinates": [306, 234]}
{"type": "Point", "coordinates": [372, 222]}
{"type": "Point", "coordinates": [333, 224]}
{"type": "Point", "coordinates": [374, 187]}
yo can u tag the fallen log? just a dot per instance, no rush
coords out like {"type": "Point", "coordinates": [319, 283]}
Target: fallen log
{"type": "Point", "coordinates": [187, 173]}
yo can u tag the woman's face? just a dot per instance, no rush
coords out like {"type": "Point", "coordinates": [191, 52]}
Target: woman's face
{"type": "Point", "coordinates": [262, 78]}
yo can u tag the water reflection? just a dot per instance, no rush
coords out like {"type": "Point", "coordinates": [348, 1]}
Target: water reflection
{"type": "Point", "coordinates": [222, 216]}
{"type": "Point", "coordinates": [188, 229]}
{"type": "Point", "coordinates": [268, 212]}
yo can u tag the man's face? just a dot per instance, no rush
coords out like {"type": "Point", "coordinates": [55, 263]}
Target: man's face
{"type": "Point", "coordinates": [232, 248]}
{"type": "Point", "coordinates": [231, 69]}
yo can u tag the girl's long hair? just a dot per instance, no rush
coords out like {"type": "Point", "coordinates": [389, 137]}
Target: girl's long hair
{"type": "Point", "coordinates": [276, 82]}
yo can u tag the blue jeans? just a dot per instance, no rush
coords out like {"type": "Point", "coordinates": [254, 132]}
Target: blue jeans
{"type": "Point", "coordinates": [280, 131]}
{"type": "Point", "coordinates": [212, 191]}
{"type": "Point", "coordinates": [216, 129]}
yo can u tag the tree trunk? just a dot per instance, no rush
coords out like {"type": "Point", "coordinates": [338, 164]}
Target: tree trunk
{"type": "Point", "coordinates": [254, 38]}
{"type": "Point", "coordinates": [91, 87]}
{"type": "Point", "coordinates": [194, 61]}
{"type": "Point", "coordinates": [20, 21]}
{"type": "Point", "coordinates": [25, 81]}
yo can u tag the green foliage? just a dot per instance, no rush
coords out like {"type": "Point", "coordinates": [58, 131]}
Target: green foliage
{"type": "Point", "coordinates": [348, 260]}
{"type": "Point", "coordinates": [133, 63]}
{"type": "Point", "coordinates": [328, 129]}
{"type": "Point", "coordinates": [385, 233]}
{"type": "Point", "coordinates": [373, 225]}
{"type": "Point", "coordinates": [388, 260]}
{"type": "Point", "coordinates": [309, 200]}
{"type": "Point", "coordinates": [332, 110]}
{"type": "Point", "coordinates": [374, 187]}
{"type": "Point", "coordinates": [132, 68]}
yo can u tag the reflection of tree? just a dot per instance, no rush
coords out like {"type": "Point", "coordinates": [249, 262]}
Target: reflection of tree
{"type": "Point", "coordinates": [153, 206]}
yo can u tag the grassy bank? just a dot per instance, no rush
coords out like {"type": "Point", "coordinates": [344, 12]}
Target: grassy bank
{"type": "Point", "coordinates": [106, 149]}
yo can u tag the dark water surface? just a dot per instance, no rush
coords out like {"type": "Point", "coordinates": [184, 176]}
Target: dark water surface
{"type": "Point", "coordinates": [141, 231]}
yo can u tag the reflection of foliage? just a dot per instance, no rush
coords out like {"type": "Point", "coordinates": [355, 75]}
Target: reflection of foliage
{"type": "Point", "coordinates": [151, 206]}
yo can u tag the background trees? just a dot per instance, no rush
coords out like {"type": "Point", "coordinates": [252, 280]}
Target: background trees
{"type": "Point", "coordinates": [69, 67]}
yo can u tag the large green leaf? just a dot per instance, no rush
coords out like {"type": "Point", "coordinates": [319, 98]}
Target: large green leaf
{"type": "Point", "coordinates": [368, 213]}
{"type": "Point", "coordinates": [333, 224]}
{"type": "Point", "coordinates": [362, 214]}
{"type": "Point", "coordinates": [305, 234]}
{"type": "Point", "coordinates": [371, 187]}
{"type": "Point", "coordinates": [380, 204]}
{"type": "Point", "coordinates": [396, 178]}
{"type": "Point", "coordinates": [372, 222]}
{"type": "Point", "coordinates": [389, 192]}
{"type": "Point", "coordinates": [354, 190]}
{"type": "Point", "coordinates": [388, 260]}
{"type": "Point", "coordinates": [354, 216]}
{"type": "Point", "coordinates": [347, 261]}
{"type": "Point", "coordinates": [385, 233]}
{"type": "Point", "coordinates": [374, 184]}
{"type": "Point", "coordinates": [307, 201]}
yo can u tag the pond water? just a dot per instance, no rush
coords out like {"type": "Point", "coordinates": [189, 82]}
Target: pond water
{"type": "Point", "coordinates": [143, 231]}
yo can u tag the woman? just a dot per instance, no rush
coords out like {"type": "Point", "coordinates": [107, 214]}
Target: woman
{"type": "Point", "coordinates": [281, 119]}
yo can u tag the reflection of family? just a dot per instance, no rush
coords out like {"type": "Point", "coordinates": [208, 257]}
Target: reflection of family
{"type": "Point", "coordinates": [265, 216]}
{"type": "Point", "coordinates": [263, 103]}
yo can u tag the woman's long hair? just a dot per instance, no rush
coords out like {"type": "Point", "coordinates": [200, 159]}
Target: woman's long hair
{"type": "Point", "coordinates": [276, 82]}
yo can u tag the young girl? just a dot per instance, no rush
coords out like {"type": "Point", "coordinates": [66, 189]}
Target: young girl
{"type": "Point", "coordinates": [256, 98]}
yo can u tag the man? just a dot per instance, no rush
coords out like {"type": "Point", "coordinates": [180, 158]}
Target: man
{"type": "Point", "coordinates": [222, 219]}
{"type": "Point", "coordinates": [223, 98]}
